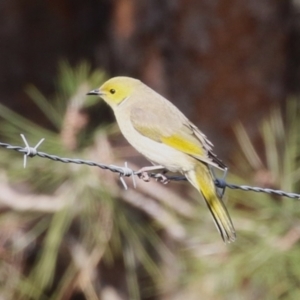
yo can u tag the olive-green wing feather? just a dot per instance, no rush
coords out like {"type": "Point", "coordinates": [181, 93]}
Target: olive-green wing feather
{"type": "Point", "coordinates": [172, 128]}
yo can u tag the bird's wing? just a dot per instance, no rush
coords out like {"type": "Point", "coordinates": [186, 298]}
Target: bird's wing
{"type": "Point", "coordinates": [207, 145]}
{"type": "Point", "coordinates": [176, 131]}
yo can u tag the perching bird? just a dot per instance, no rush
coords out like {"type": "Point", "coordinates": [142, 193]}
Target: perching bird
{"type": "Point", "coordinates": [160, 131]}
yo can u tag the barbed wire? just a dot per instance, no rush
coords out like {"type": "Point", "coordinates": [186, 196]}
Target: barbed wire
{"type": "Point", "coordinates": [128, 172]}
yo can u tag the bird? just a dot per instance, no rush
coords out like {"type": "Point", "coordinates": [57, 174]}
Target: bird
{"type": "Point", "coordinates": [158, 130]}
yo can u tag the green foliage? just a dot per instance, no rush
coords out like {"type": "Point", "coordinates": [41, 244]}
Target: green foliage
{"type": "Point", "coordinates": [71, 231]}
{"type": "Point", "coordinates": [70, 220]}
{"type": "Point", "coordinates": [263, 263]}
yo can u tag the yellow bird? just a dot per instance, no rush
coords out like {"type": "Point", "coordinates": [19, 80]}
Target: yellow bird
{"type": "Point", "coordinates": [161, 132]}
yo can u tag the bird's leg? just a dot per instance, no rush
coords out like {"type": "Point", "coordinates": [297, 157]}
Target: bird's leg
{"type": "Point", "coordinates": [143, 172]}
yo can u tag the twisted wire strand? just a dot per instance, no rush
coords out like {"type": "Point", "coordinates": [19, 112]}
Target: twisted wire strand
{"type": "Point", "coordinates": [125, 171]}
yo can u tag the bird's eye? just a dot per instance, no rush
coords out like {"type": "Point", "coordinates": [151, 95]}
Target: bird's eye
{"type": "Point", "coordinates": [112, 91]}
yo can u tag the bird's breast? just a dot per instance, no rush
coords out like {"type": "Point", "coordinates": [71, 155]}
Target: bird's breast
{"type": "Point", "coordinates": [156, 152]}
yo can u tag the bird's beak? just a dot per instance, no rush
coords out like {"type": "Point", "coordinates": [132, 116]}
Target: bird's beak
{"type": "Point", "coordinates": [95, 92]}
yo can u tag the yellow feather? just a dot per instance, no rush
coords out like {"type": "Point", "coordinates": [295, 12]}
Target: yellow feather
{"type": "Point", "coordinates": [202, 179]}
{"type": "Point", "coordinates": [191, 147]}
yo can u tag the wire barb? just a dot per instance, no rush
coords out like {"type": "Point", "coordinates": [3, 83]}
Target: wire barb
{"type": "Point", "coordinates": [31, 151]}
{"type": "Point", "coordinates": [220, 182]}
{"type": "Point", "coordinates": [123, 182]}
{"type": "Point", "coordinates": [127, 172]}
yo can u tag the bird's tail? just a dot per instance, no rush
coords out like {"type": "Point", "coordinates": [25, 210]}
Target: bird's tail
{"type": "Point", "coordinates": [202, 179]}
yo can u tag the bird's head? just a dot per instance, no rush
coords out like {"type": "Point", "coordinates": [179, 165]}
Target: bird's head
{"type": "Point", "coordinates": [116, 90]}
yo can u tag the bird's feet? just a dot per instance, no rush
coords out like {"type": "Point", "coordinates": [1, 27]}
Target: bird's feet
{"type": "Point", "coordinates": [143, 174]}
{"type": "Point", "coordinates": [161, 177]}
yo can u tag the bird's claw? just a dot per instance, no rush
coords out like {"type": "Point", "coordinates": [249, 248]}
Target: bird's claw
{"type": "Point", "coordinates": [143, 172]}
{"type": "Point", "coordinates": [144, 176]}
{"type": "Point", "coordinates": [162, 178]}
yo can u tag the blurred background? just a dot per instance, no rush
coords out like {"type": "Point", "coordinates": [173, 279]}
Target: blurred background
{"type": "Point", "coordinates": [72, 232]}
